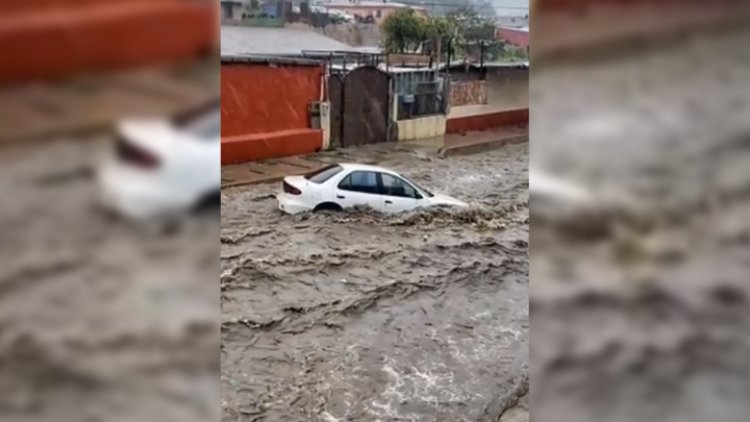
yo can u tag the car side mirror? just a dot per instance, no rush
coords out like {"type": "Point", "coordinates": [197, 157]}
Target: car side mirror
{"type": "Point", "coordinates": [417, 195]}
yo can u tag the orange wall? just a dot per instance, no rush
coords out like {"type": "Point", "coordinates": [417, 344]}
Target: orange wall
{"type": "Point", "coordinates": [50, 39]}
{"type": "Point", "coordinates": [257, 98]}
{"type": "Point", "coordinates": [40, 6]}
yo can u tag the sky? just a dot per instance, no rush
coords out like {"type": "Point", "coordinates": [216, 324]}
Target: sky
{"type": "Point", "coordinates": [511, 7]}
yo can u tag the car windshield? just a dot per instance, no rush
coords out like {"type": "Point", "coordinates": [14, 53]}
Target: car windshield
{"type": "Point", "coordinates": [323, 174]}
{"type": "Point", "coordinates": [428, 193]}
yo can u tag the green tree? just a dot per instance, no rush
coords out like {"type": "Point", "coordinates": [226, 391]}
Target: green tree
{"type": "Point", "coordinates": [472, 31]}
{"type": "Point", "coordinates": [405, 31]}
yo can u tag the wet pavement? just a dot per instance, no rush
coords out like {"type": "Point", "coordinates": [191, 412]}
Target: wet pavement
{"type": "Point", "coordinates": [100, 319]}
{"type": "Point", "coordinates": [649, 321]}
{"type": "Point", "coordinates": [347, 316]}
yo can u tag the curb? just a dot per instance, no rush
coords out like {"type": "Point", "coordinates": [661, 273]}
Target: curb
{"type": "Point", "coordinates": [478, 147]}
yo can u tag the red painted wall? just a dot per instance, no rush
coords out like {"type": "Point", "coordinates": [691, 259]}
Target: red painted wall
{"type": "Point", "coordinates": [264, 111]}
{"type": "Point", "coordinates": [518, 117]}
{"type": "Point", "coordinates": [259, 98]}
{"type": "Point", "coordinates": [515, 37]}
{"type": "Point", "coordinates": [51, 39]}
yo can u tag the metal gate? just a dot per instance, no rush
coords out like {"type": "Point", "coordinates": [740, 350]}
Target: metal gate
{"type": "Point", "coordinates": [336, 98]}
{"type": "Point", "coordinates": [359, 107]}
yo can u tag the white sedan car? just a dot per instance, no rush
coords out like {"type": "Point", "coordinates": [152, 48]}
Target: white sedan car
{"type": "Point", "coordinates": [342, 186]}
{"type": "Point", "coordinates": [162, 167]}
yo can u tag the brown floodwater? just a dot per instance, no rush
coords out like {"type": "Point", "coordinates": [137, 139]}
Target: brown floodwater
{"type": "Point", "coordinates": [348, 316]}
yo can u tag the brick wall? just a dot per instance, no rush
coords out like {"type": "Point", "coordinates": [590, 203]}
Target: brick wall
{"type": "Point", "coordinates": [468, 93]}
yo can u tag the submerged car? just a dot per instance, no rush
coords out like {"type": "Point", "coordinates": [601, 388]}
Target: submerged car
{"type": "Point", "coordinates": [164, 166]}
{"type": "Point", "coordinates": [341, 186]}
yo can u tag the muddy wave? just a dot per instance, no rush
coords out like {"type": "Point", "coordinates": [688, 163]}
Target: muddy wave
{"type": "Point", "coordinates": [359, 315]}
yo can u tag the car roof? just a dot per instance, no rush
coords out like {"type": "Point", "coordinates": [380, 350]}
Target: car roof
{"type": "Point", "coordinates": [365, 167]}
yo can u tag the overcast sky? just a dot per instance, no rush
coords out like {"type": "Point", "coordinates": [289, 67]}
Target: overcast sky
{"type": "Point", "coordinates": [511, 7]}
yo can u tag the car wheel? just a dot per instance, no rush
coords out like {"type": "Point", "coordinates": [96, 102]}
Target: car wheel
{"type": "Point", "coordinates": [328, 206]}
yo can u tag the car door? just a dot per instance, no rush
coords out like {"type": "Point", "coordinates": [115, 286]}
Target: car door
{"type": "Point", "coordinates": [398, 194]}
{"type": "Point", "coordinates": [359, 188]}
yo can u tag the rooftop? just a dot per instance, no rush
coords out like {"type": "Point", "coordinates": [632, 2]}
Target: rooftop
{"type": "Point", "coordinates": [251, 41]}
{"type": "Point", "coordinates": [369, 3]}
{"type": "Point", "coordinates": [518, 29]}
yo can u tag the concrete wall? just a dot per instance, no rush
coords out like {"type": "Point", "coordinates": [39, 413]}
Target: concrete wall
{"type": "Point", "coordinates": [51, 39]}
{"type": "Point", "coordinates": [264, 110]}
{"type": "Point", "coordinates": [423, 127]}
{"type": "Point", "coordinates": [508, 87]}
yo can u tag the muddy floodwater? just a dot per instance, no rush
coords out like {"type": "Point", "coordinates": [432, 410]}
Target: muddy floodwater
{"type": "Point", "coordinates": [650, 322]}
{"type": "Point", "coordinates": [421, 316]}
{"type": "Point", "coordinates": [100, 320]}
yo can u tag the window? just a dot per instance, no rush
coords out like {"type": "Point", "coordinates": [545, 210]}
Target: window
{"type": "Point", "coordinates": [207, 126]}
{"type": "Point", "coordinates": [411, 182]}
{"type": "Point", "coordinates": [395, 186]}
{"type": "Point", "coordinates": [379, 14]}
{"type": "Point", "coordinates": [324, 174]}
{"type": "Point", "coordinates": [202, 122]}
{"type": "Point", "coordinates": [361, 181]}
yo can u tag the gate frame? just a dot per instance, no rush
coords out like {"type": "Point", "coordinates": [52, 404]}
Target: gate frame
{"type": "Point", "coordinates": [343, 77]}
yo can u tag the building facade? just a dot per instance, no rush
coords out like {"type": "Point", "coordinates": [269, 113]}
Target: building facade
{"type": "Point", "coordinates": [368, 11]}
{"type": "Point", "coordinates": [516, 36]}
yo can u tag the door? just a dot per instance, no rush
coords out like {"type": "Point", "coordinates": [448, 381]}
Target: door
{"type": "Point", "coordinates": [336, 98]}
{"type": "Point", "coordinates": [398, 194]}
{"type": "Point", "coordinates": [365, 107]}
{"type": "Point", "coordinates": [360, 188]}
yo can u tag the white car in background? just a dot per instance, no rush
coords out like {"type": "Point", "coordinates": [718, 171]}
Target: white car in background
{"type": "Point", "coordinates": [164, 166]}
{"type": "Point", "coordinates": [341, 186]}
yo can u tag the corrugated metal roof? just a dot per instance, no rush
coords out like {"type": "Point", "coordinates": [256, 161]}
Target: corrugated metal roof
{"type": "Point", "coordinates": [243, 41]}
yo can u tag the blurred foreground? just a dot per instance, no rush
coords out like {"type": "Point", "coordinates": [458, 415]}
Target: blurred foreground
{"type": "Point", "coordinates": [102, 320]}
{"type": "Point", "coordinates": [645, 318]}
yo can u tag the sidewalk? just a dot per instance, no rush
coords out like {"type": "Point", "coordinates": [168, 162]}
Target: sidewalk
{"type": "Point", "coordinates": [269, 171]}
{"type": "Point", "coordinates": [94, 103]}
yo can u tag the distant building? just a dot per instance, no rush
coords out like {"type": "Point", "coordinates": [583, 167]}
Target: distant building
{"type": "Point", "coordinates": [232, 10]}
{"type": "Point", "coordinates": [370, 11]}
{"type": "Point", "coordinates": [516, 36]}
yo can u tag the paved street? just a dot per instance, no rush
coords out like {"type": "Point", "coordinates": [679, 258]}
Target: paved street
{"type": "Point", "coordinates": [359, 316]}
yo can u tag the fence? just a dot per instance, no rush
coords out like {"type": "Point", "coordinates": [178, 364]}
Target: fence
{"type": "Point", "coordinates": [419, 92]}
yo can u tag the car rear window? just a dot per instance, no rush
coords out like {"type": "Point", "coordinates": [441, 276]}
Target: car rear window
{"type": "Point", "coordinates": [203, 121]}
{"type": "Point", "coordinates": [324, 174]}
